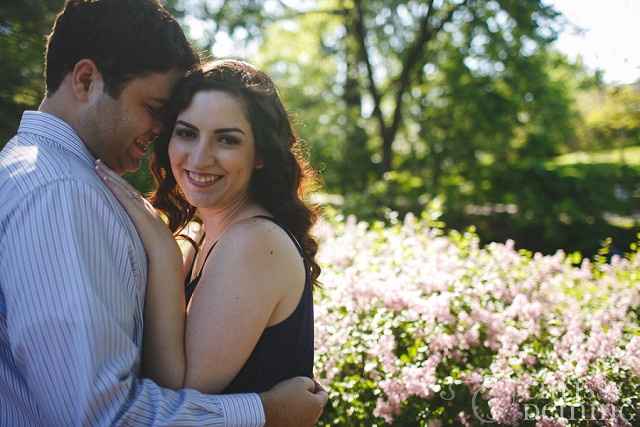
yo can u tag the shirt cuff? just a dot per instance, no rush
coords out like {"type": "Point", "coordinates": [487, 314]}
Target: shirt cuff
{"type": "Point", "coordinates": [242, 410]}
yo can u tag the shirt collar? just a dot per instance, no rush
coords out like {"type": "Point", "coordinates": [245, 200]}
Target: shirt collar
{"type": "Point", "coordinates": [56, 130]}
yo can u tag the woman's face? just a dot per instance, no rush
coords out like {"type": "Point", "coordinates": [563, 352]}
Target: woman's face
{"type": "Point", "coordinates": [212, 151]}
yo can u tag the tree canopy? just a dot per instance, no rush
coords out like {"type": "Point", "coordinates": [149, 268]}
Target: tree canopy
{"type": "Point", "coordinates": [403, 103]}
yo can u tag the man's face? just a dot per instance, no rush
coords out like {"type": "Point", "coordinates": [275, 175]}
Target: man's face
{"type": "Point", "coordinates": [124, 127]}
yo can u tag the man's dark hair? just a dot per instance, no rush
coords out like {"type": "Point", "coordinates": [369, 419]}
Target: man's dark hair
{"type": "Point", "coordinates": [125, 38]}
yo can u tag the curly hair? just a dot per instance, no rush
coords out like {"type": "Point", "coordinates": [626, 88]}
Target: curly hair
{"type": "Point", "coordinates": [279, 186]}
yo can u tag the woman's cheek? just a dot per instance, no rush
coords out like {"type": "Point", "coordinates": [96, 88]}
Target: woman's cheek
{"type": "Point", "coordinates": [174, 156]}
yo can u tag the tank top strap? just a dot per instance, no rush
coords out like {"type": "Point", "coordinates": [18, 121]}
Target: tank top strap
{"type": "Point", "coordinates": [204, 261]}
{"type": "Point", "coordinates": [187, 277]}
{"type": "Point", "coordinates": [196, 247]}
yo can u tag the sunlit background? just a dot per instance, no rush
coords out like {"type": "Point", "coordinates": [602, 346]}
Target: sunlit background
{"type": "Point", "coordinates": [435, 132]}
{"type": "Point", "coordinates": [519, 119]}
{"type": "Point", "coordinates": [603, 34]}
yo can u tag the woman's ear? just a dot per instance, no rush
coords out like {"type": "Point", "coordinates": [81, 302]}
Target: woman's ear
{"type": "Point", "coordinates": [85, 79]}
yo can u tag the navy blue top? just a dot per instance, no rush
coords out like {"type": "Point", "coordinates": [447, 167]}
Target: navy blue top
{"type": "Point", "coordinates": [285, 349]}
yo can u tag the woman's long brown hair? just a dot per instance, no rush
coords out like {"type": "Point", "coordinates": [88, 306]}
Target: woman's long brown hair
{"type": "Point", "coordinates": [279, 186]}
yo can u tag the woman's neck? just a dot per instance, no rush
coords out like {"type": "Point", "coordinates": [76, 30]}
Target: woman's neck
{"type": "Point", "coordinates": [216, 221]}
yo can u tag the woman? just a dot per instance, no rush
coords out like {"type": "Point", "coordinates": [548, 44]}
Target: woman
{"type": "Point", "coordinates": [229, 161]}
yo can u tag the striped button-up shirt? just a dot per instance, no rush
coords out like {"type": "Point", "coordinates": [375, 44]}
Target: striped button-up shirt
{"type": "Point", "coordinates": [72, 284]}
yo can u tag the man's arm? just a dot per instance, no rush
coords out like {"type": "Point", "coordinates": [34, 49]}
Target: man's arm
{"type": "Point", "coordinates": [73, 315]}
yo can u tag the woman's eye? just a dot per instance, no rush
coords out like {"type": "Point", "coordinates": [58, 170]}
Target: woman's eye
{"type": "Point", "coordinates": [185, 133]}
{"type": "Point", "coordinates": [229, 140]}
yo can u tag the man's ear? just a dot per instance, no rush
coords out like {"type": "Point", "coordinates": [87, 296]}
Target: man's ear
{"type": "Point", "coordinates": [85, 79]}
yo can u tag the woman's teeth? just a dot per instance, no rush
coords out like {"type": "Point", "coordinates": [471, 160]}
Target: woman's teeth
{"type": "Point", "coordinates": [203, 179]}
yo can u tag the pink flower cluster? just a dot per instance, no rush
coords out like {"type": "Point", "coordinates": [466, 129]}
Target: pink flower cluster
{"type": "Point", "coordinates": [605, 389]}
{"type": "Point", "coordinates": [503, 402]}
{"type": "Point", "coordinates": [631, 355]}
{"type": "Point", "coordinates": [416, 312]}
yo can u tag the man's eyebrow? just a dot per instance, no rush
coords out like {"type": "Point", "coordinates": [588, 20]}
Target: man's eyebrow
{"type": "Point", "coordinates": [186, 124]}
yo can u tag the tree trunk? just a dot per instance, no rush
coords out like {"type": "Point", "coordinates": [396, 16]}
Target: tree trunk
{"type": "Point", "coordinates": [354, 150]}
{"type": "Point", "coordinates": [387, 150]}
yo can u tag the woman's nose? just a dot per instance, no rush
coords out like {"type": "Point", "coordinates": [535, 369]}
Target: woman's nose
{"type": "Point", "coordinates": [204, 153]}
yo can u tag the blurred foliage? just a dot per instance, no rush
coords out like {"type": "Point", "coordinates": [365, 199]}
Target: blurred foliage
{"type": "Point", "coordinates": [402, 102]}
{"type": "Point", "coordinates": [618, 118]}
{"type": "Point", "coordinates": [24, 25]}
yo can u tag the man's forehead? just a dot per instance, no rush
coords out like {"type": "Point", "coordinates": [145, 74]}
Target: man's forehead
{"type": "Point", "coordinates": [156, 86]}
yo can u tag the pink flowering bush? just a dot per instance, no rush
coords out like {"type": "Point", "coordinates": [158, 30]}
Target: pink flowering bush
{"type": "Point", "coordinates": [418, 328]}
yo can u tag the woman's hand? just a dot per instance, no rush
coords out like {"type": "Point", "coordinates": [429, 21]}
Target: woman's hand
{"type": "Point", "coordinates": [153, 231]}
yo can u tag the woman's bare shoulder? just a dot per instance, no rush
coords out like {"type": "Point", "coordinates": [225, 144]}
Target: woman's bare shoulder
{"type": "Point", "coordinates": [259, 235]}
{"type": "Point", "coordinates": [264, 249]}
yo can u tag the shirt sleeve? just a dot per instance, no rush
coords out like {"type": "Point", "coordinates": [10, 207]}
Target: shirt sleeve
{"type": "Point", "coordinates": [72, 305]}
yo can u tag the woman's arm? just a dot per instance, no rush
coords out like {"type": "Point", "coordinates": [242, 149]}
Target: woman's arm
{"type": "Point", "coordinates": [163, 352]}
{"type": "Point", "coordinates": [252, 270]}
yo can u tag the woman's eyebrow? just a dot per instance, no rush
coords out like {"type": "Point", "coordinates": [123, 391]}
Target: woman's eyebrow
{"type": "Point", "coordinates": [226, 130]}
{"type": "Point", "coordinates": [186, 124]}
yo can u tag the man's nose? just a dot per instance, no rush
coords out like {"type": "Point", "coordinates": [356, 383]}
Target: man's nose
{"type": "Point", "coordinates": [157, 127]}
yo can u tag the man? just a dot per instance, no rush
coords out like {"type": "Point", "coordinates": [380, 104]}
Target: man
{"type": "Point", "coordinates": [72, 268]}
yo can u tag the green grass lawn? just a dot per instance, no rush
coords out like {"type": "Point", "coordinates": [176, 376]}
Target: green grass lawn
{"type": "Point", "coordinates": [629, 156]}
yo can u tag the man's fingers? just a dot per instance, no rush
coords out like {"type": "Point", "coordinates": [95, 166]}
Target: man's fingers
{"type": "Point", "coordinates": [308, 383]}
{"type": "Point", "coordinates": [318, 392]}
{"type": "Point", "coordinates": [322, 396]}
{"type": "Point", "coordinates": [287, 404]}
{"type": "Point", "coordinates": [313, 386]}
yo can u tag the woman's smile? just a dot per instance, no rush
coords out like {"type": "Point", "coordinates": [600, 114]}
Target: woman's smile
{"type": "Point", "coordinates": [201, 180]}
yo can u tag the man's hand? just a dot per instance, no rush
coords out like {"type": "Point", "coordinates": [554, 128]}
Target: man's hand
{"type": "Point", "coordinates": [297, 402]}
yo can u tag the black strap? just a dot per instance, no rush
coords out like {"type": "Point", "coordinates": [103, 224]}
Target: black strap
{"type": "Point", "coordinates": [190, 240]}
{"type": "Point", "coordinates": [197, 278]}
